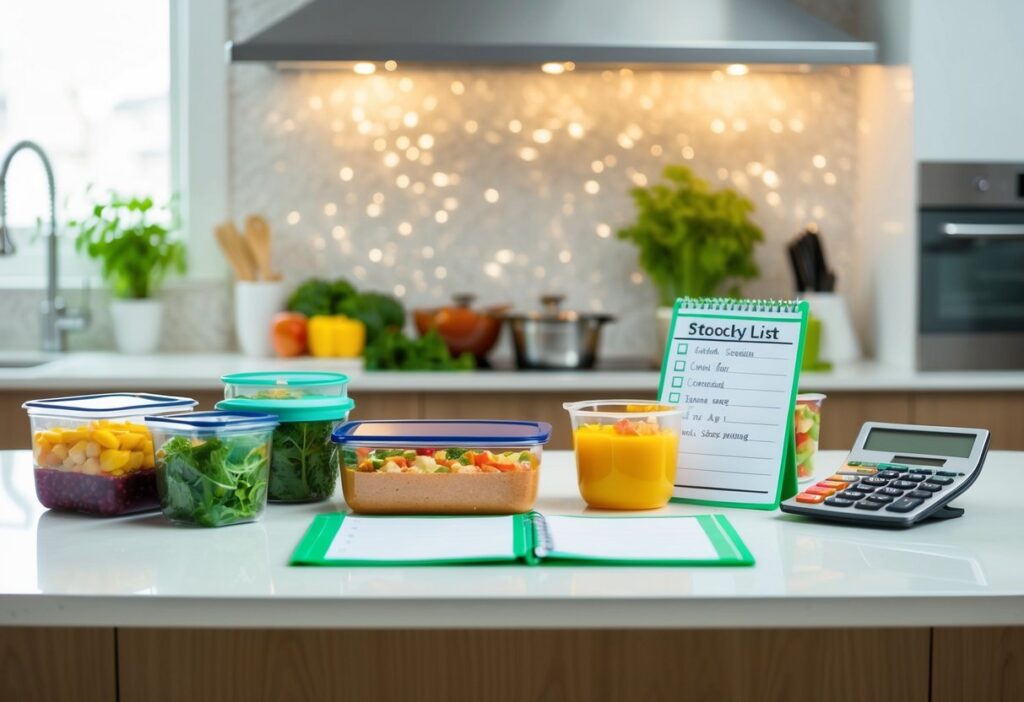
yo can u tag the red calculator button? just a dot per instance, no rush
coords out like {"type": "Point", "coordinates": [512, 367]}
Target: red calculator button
{"type": "Point", "coordinates": [834, 484]}
{"type": "Point", "coordinates": [810, 498]}
{"type": "Point", "coordinates": [823, 491]}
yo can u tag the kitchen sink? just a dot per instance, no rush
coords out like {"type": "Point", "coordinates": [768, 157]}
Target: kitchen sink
{"type": "Point", "coordinates": [22, 363]}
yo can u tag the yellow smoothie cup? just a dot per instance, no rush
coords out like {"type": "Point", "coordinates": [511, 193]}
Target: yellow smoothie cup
{"type": "Point", "coordinates": [626, 451]}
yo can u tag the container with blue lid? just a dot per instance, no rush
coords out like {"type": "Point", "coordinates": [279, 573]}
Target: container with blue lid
{"type": "Point", "coordinates": [303, 463]}
{"type": "Point", "coordinates": [213, 468]}
{"type": "Point", "coordinates": [441, 467]}
{"type": "Point", "coordinates": [285, 385]}
{"type": "Point", "coordinates": [94, 454]}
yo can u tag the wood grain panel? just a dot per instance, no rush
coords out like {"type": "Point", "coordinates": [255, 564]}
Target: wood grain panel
{"type": "Point", "coordinates": [1002, 413]}
{"type": "Point", "coordinates": [57, 664]}
{"type": "Point", "coordinates": [978, 665]}
{"type": "Point", "coordinates": [843, 413]}
{"type": "Point", "coordinates": [387, 405]}
{"type": "Point", "coordinates": [535, 406]}
{"type": "Point", "coordinates": [519, 665]}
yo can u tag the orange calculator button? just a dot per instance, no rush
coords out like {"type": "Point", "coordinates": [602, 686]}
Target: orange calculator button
{"type": "Point", "coordinates": [834, 484]}
{"type": "Point", "coordinates": [866, 471]}
{"type": "Point", "coordinates": [823, 491]}
{"type": "Point", "coordinates": [810, 498]}
{"type": "Point", "coordinates": [842, 478]}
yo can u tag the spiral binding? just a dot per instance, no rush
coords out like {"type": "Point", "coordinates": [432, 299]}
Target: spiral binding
{"type": "Point", "coordinates": [724, 304]}
{"type": "Point", "coordinates": [544, 544]}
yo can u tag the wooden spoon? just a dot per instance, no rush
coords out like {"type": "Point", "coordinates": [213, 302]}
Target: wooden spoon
{"type": "Point", "coordinates": [235, 251]}
{"type": "Point", "coordinates": [257, 237]}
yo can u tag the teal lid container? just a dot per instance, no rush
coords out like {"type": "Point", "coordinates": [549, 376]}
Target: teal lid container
{"type": "Point", "coordinates": [285, 385]}
{"type": "Point", "coordinates": [310, 408]}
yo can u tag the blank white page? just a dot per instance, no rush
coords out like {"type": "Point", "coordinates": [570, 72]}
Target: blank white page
{"type": "Point", "coordinates": [629, 538]}
{"type": "Point", "coordinates": [455, 539]}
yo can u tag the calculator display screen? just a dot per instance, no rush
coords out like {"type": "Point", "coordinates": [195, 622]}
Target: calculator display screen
{"type": "Point", "coordinates": [932, 443]}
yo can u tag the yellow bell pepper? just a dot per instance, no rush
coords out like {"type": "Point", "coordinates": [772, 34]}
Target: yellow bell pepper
{"type": "Point", "coordinates": [336, 336]}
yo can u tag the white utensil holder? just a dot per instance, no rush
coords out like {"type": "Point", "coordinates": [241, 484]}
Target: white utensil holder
{"type": "Point", "coordinates": [256, 303]}
{"type": "Point", "coordinates": [839, 343]}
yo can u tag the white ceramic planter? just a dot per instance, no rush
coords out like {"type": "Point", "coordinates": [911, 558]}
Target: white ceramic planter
{"type": "Point", "coordinates": [256, 303]}
{"type": "Point", "coordinates": [137, 324]}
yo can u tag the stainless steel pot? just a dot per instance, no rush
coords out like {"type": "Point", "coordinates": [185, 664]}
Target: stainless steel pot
{"type": "Point", "coordinates": [556, 338]}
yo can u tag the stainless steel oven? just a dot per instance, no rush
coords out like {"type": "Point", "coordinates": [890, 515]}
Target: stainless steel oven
{"type": "Point", "coordinates": [971, 272]}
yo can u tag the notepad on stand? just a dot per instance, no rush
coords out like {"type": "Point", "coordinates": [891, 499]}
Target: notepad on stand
{"type": "Point", "coordinates": [733, 366]}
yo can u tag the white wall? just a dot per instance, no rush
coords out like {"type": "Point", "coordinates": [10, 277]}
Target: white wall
{"type": "Point", "coordinates": [968, 61]}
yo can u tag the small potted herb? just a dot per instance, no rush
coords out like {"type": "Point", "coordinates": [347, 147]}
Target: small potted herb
{"type": "Point", "coordinates": [136, 252]}
{"type": "Point", "coordinates": [693, 242]}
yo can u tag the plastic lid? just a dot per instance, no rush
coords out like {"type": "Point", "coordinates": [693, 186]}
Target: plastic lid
{"type": "Point", "coordinates": [304, 409]}
{"type": "Point", "coordinates": [215, 422]}
{"type": "Point", "coordinates": [457, 432]}
{"type": "Point", "coordinates": [303, 379]}
{"type": "Point", "coordinates": [109, 404]}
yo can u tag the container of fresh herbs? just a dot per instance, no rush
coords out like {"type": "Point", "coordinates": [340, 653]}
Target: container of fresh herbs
{"type": "Point", "coordinates": [303, 462]}
{"type": "Point", "coordinates": [212, 468]}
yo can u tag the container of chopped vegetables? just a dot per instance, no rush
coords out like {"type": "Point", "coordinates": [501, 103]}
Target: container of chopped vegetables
{"type": "Point", "coordinates": [290, 385]}
{"type": "Point", "coordinates": [626, 452]}
{"type": "Point", "coordinates": [441, 467]}
{"type": "Point", "coordinates": [94, 454]}
{"type": "Point", "coordinates": [212, 468]}
{"type": "Point", "coordinates": [303, 462]}
{"type": "Point", "coordinates": [806, 429]}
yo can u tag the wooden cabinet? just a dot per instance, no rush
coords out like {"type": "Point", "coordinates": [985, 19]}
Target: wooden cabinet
{"type": "Point", "coordinates": [978, 664]}
{"type": "Point", "coordinates": [57, 665]}
{"type": "Point", "coordinates": [842, 414]}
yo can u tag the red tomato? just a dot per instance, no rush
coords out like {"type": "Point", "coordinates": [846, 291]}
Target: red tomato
{"type": "Point", "coordinates": [288, 334]}
{"type": "Point", "coordinates": [624, 427]}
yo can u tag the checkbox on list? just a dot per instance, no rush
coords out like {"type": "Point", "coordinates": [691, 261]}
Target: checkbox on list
{"type": "Point", "coordinates": [677, 381]}
{"type": "Point", "coordinates": [673, 397]}
{"type": "Point", "coordinates": [682, 348]}
{"type": "Point", "coordinates": [680, 365]}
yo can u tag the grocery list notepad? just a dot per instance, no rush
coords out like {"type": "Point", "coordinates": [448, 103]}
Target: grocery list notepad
{"type": "Point", "coordinates": [733, 366]}
{"type": "Point", "coordinates": [535, 539]}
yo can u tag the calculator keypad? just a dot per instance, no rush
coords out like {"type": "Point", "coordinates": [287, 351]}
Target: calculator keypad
{"type": "Point", "coordinates": [873, 487]}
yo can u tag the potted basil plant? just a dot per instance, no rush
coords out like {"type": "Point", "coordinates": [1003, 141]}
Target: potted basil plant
{"type": "Point", "coordinates": [692, 241]}
{"type": "Point", "coordinates": [136, 247]}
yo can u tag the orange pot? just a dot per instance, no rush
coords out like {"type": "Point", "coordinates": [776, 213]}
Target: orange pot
{"type": "Point", "coordinates": [463, 329]}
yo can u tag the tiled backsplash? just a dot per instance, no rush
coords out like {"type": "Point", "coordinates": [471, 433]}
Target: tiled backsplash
{"type": "Point", "coordinates": [510, 183]}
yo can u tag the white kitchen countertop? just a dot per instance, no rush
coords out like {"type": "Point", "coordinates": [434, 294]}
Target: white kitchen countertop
{"type": "Point", "coordinates": [67, 569]}
{"type": "Point", "coordinates": [99, 372]}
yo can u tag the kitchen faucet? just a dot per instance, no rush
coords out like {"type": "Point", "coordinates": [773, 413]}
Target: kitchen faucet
{"type": "Point", "coordinates": [57, 319]}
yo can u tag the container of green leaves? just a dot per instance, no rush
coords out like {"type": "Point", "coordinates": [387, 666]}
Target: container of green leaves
{"type": "Point", "coordinates": [303, 462]}
{"type": "Point", "coordinates": [212, 468]}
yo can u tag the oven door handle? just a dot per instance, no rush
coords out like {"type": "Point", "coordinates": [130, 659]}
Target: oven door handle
{"type": "Point", "coordinates": [964, 230]}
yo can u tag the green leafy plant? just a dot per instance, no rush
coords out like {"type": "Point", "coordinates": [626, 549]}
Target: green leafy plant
{"type": "Point", "coordinates": [393, 350]}
{"type": "Point", "coordinates": [135, 253]}
{"type": "Point", "coordinates": [379, 312]}
{"type": "Point", "coordinates": [693, 242]}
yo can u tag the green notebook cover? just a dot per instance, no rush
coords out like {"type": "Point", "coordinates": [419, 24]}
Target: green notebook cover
{"type": "Point", "coordinates": [531, 543]}
{"type": "Point", "coordinates": [729, 310]}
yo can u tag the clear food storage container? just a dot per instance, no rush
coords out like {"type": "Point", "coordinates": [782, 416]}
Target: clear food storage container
{"type": "Point", "coordinates": [441, 467]}
{"type": "Point", "coordinates": [291, 385]}
{"type": "Point", "coordinates": [303, 461]}
{"type": "Point", "coordinates": [94, 454]}
{"type": "Point", "coordinates": [807, 427]}
{"type": "Point", "coordinates": [626, 451]}
{"type": "Point", "coordinates": [212, 468]}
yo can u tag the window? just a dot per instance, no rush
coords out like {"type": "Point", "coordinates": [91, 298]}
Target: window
{"type": "Point", "coordinates": [88, 81]}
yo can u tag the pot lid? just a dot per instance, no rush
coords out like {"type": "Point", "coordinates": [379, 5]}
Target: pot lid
{"type": "Point", "coordinates": [552, 312]}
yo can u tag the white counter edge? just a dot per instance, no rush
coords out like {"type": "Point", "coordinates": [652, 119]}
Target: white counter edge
{"type": "Point", "coordinates": [598, 613]}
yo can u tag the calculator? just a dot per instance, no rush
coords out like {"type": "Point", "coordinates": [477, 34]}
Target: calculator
{"type": "Point", "coordinates": [896, 476]}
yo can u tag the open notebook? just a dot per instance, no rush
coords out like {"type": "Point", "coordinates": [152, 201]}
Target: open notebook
{"type": "Point", "coordinates": [351, 540]}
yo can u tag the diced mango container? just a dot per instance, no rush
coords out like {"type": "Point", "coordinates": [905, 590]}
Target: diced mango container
{"type": "Point", "coordinates": [94, 454]}
{"type": "Point", "coordinates": [441, 467]}
{"type": "Point", "coordinates": [291, 385]}
{"type": "Point", "coordinates": [626, 452]}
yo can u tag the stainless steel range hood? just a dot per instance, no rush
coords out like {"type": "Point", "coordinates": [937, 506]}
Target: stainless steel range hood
{"type": "Point", "coordinates": [604, 32]}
